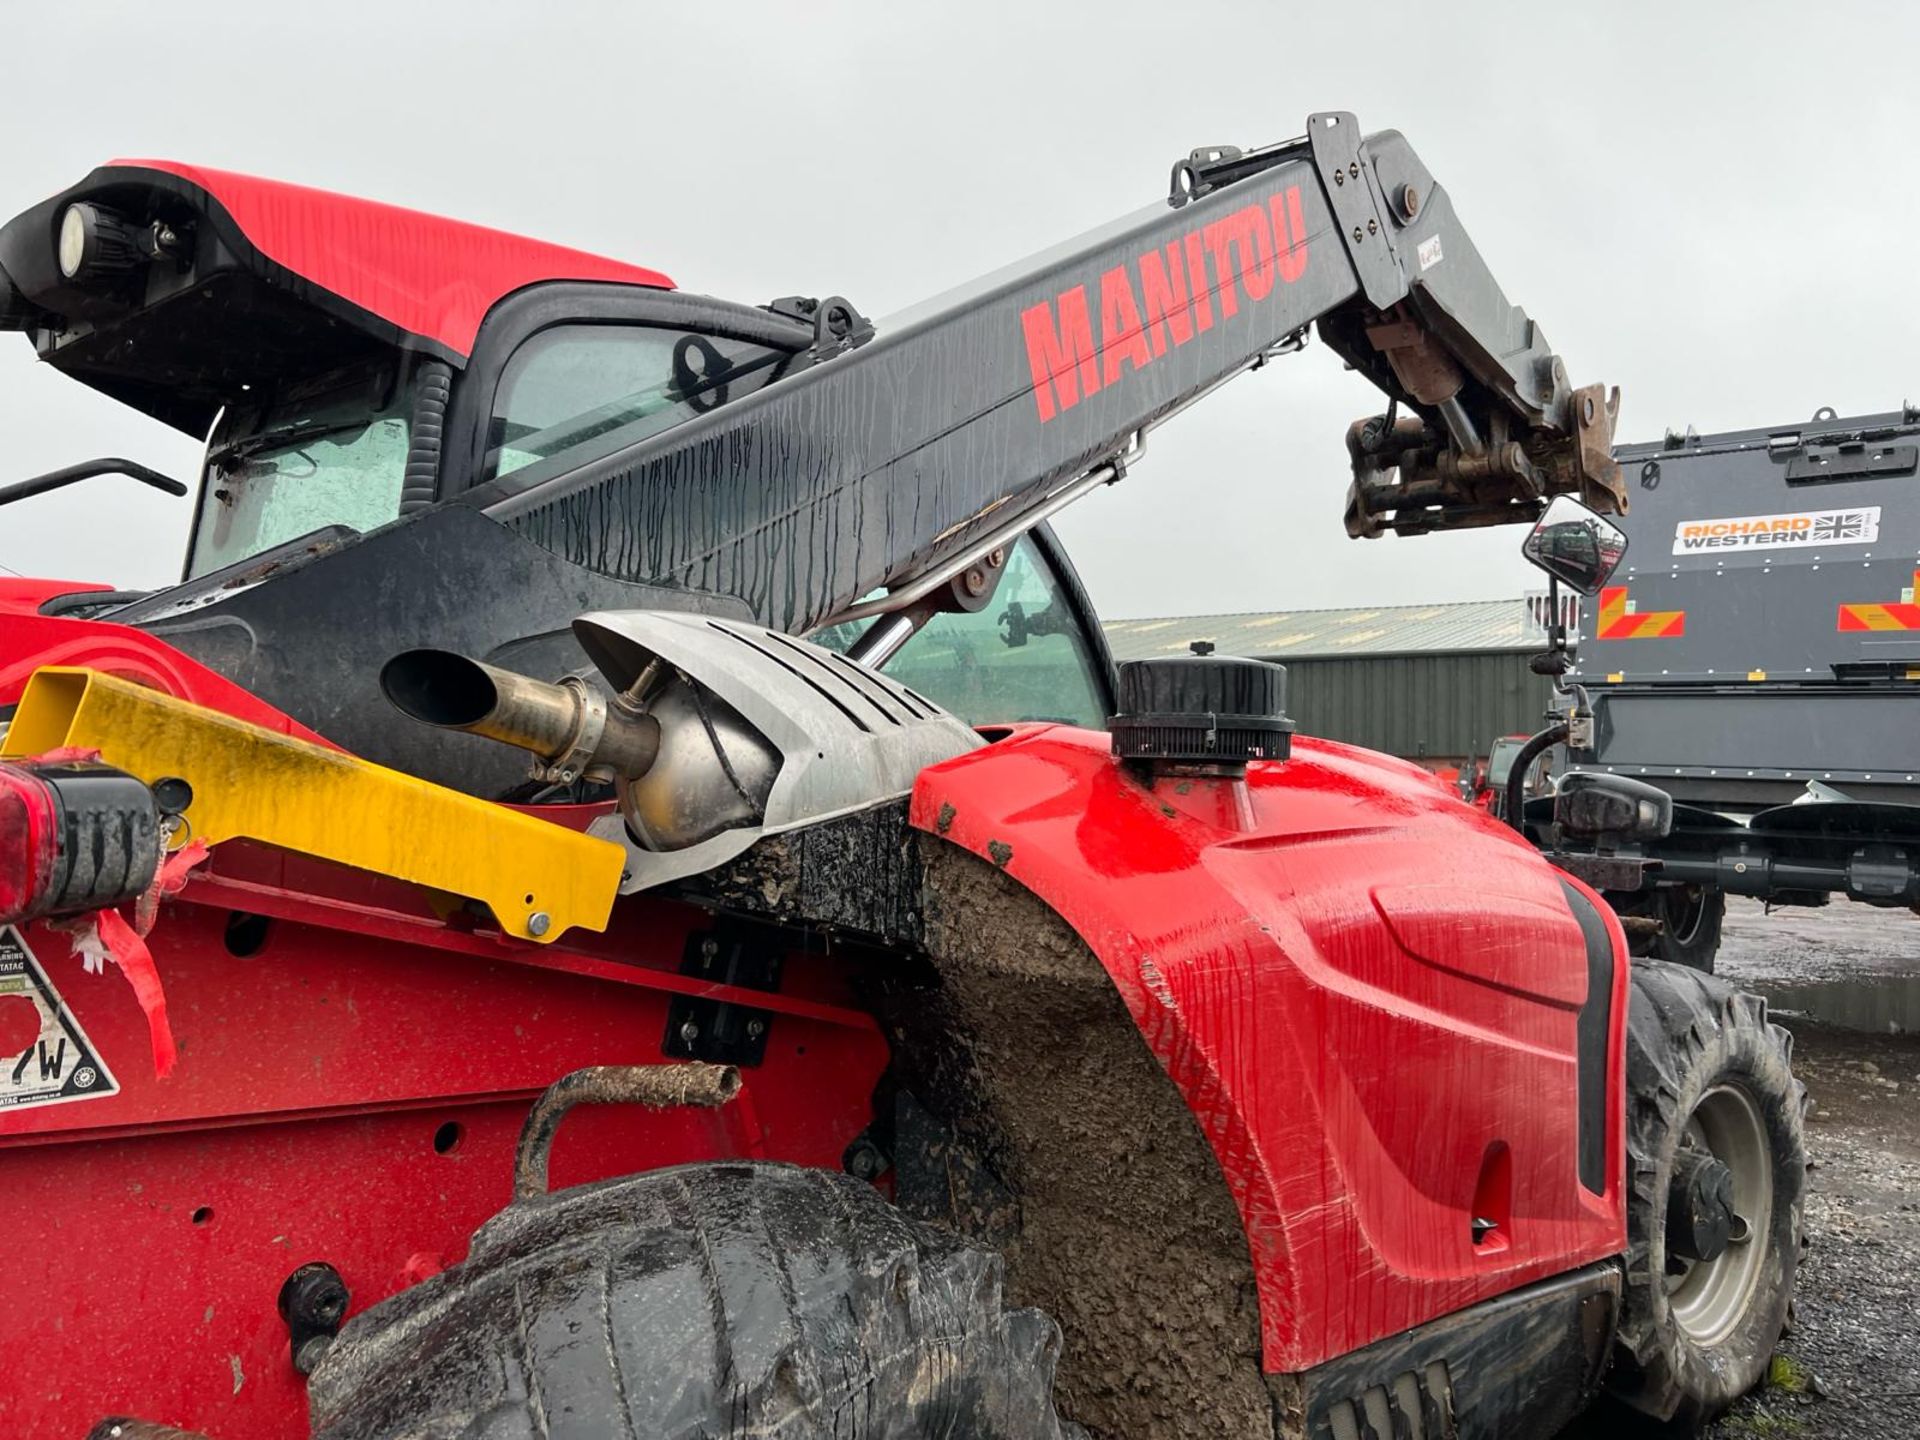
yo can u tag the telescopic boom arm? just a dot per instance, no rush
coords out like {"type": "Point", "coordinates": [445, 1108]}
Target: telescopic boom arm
{"type": "Point", "coordinates": [915, 448]}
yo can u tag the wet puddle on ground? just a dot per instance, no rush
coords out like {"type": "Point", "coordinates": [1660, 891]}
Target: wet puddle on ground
{"type": "Point", "coordinates": [1877, 1004]}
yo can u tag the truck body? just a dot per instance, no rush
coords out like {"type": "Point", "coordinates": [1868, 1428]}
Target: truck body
{"type": "Point", "coordinates": [1762, 633]}
{"type": "Point", "coordinates": [1756, 659]}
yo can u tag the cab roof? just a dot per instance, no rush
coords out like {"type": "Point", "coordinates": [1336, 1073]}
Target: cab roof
{"type": "Point", "coordinates": [259, 282]}
{"type": "Point", "coordinates": [431, 277]}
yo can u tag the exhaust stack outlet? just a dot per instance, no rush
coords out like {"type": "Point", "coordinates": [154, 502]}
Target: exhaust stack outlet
{"type": "Point", "coordinates": [570, 728]}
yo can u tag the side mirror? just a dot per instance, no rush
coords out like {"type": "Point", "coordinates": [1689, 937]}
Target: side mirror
{"type": "Point", "coordinates": [1575, 546]}
{"type": "Point", "coordinates": [1609, 809]}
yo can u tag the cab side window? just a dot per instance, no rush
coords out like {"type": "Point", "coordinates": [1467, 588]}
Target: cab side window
{"type": "Point", "coordinates": [1024, 657]}
{"type": "Point", "coordinates": [572, 393]}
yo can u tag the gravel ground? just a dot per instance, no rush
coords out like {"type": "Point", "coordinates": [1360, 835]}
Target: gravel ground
{"type": "Point", "coordinates": [1846, 981]}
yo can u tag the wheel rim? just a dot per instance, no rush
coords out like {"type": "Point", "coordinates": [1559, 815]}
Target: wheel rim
{"type": "Point", "coordinates": [1708, 1298]}
{"type": "Point", "coordinates": [1686, 914]}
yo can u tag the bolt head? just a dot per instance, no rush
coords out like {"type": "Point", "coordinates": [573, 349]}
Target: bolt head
{"type": "Point", "coordinates": [1339, 177]}
{"type": "Point", "coordinates": [689, 1032]}
{"type": "Point", "coordinates": [1372, 226]}
{"type": "Point", "coordinates": [1409, 201]}
{"type": "Point", "coordinates": [1354, 169]}
{"type": "Point", "coordinates": [539, 923]}
{"type": "Point", "coordinates": [756, 1028]}
{"type": "Point", "coordinates": [1358, 235]}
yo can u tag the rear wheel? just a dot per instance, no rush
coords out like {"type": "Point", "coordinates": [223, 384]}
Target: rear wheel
{"type": "Point", "coordinates": [710, 1301]}
{"type": "Point", "coordinates": [1716, 1169]}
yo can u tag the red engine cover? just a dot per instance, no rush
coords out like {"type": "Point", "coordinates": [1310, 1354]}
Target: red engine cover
{"type": "Point", "coordinates": [1367, 992]}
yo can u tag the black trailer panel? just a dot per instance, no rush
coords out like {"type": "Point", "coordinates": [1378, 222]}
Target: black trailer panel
{"type": "Point", "coordinates": [1742, 748]}
{"type": "Point", "coordinates": [1764, 631]}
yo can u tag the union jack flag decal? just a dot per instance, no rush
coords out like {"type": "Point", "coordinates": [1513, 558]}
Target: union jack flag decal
{"type": "Point", "coordinates": [1845, 525]}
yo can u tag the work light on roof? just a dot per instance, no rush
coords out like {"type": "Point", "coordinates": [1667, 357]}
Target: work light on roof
{"type": "Point", "coordinates": [96, 243]}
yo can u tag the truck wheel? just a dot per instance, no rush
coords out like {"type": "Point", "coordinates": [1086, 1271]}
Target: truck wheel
{"type": "Point", "coordinates": [1716, 1169]}
{"type": "Point", "coordinates": [1690, 918]}
{"type": "Point", "coordinates": [713, 1301]}
{"type": "Point", "coordinates": [1690, 934]}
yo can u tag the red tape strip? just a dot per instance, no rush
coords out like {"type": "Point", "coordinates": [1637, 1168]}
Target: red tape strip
{"type": "Point", "coordinates": [127, 950]}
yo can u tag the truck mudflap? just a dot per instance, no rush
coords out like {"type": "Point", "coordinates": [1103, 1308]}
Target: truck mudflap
{"type": "Point", "coordinates": [1298, 956]}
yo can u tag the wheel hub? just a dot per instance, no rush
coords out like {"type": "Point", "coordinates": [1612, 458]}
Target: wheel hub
{"type": "Point", "coordinates": [1700, 1213]}
{"type": "Point", "coordinates": [1719, 1209]}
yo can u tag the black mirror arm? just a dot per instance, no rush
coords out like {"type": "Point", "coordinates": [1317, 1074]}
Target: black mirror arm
{"type": "Point", "coordinates": [87, 470]}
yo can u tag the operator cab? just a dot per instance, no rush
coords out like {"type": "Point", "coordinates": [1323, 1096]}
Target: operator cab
{"type": "Point", "coordinates": [350, 362]}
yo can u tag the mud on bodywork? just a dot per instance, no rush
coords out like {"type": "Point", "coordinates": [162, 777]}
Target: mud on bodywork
{"type": "Point", "coordinates": [1033, 1117]}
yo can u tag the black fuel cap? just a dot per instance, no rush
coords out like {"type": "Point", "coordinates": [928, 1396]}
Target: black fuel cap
{"type": "Point", "coordinates": [1202, 709]}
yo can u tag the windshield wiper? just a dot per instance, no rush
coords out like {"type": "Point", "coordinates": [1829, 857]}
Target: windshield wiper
{"type": "Point", "coordinates": [284, 438]}
{"type": "Point", "coordinates": [86, 470]}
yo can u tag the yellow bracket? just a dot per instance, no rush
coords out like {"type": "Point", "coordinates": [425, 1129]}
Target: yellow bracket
{"type": "Point", "coordinates": [538, 878]}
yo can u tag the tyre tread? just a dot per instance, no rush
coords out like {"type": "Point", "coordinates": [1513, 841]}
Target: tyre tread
{"type": "Point", "coordinates": [814, 1308]}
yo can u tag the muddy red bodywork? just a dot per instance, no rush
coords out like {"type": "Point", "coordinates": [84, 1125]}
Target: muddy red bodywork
{"type": "Point", "coordinates": [351, 1081]}
{"type": "Point", "coordinates": [351, 1091]}
{"type": "Point", "coordinates": [1361, 986]}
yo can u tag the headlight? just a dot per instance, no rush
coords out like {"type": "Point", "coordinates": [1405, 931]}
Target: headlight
{"type": "Point", "coordinates": [96, 243]}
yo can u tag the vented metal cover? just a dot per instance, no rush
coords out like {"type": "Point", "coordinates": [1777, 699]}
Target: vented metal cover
{"type": "Point", "coordinates": [848, 737]}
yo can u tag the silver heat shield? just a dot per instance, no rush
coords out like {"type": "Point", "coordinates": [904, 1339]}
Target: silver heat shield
{"type": "Point", "coordinates": [768, 734]}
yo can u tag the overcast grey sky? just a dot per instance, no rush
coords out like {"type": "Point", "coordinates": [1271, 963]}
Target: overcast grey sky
{"type": "Point", "coordinates": [1710, 205]}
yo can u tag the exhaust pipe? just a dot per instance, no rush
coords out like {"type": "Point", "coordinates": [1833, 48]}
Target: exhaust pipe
{"type": "Point", "coordinates": [571, 728]}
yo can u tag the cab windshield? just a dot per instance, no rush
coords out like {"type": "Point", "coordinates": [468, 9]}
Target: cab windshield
{"type": "Point", "coordinates": [327, 451]}
{"type": "Point", "coordinates": [1500, 759]}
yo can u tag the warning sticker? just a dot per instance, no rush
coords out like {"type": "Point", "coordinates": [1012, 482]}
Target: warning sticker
{"type": "Point", "coordinates": [1808, 527]}
{"type": "Point", "coordinates": [58, 1062]}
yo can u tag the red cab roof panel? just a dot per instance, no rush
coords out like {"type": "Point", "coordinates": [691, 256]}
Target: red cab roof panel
{"type": "Point", "coordinates": [428, 276]}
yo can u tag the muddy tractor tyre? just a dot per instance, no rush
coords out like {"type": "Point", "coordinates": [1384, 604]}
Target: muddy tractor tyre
{"type": "Point", "coordinates": [708, 1301]}
{"type": "Point", "coordinates": [1716, 1172]}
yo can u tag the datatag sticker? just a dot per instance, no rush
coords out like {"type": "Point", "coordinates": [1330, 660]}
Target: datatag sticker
{"type": "Point", "coordinates": [1807, 527]}
{"type": "Point", "coordinates": [1429, 253]}
{"type": "Point", "coordinates": [59, 1062]}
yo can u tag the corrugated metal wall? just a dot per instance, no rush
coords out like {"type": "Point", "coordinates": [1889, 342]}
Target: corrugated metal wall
{"type": "Point", "coordinates": [1423, 707]}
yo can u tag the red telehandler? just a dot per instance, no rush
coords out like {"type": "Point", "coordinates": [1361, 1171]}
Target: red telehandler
{"type": "Point", "coordinates": [621, 894]}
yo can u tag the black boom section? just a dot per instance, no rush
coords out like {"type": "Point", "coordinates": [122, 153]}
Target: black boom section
{"type": "Point", "coordinates": [971, 409]}
{"type": "Point", "coordinates": [864, 470]}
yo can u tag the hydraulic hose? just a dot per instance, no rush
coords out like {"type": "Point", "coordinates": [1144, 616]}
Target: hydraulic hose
{"type": "Point", "coordinates": [1513, 799]}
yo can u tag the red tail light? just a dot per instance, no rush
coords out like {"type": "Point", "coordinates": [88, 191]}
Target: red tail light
{"type": "Point", "coordinates": [73, 837]}
{"type": "Point", "coordinates": [28, 820]}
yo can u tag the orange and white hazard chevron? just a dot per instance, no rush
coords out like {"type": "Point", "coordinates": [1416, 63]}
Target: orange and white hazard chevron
{"type": "Point", "coordinates": [1618, 622]}
{"type": "Point", "coordinates": [1884, 615]}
